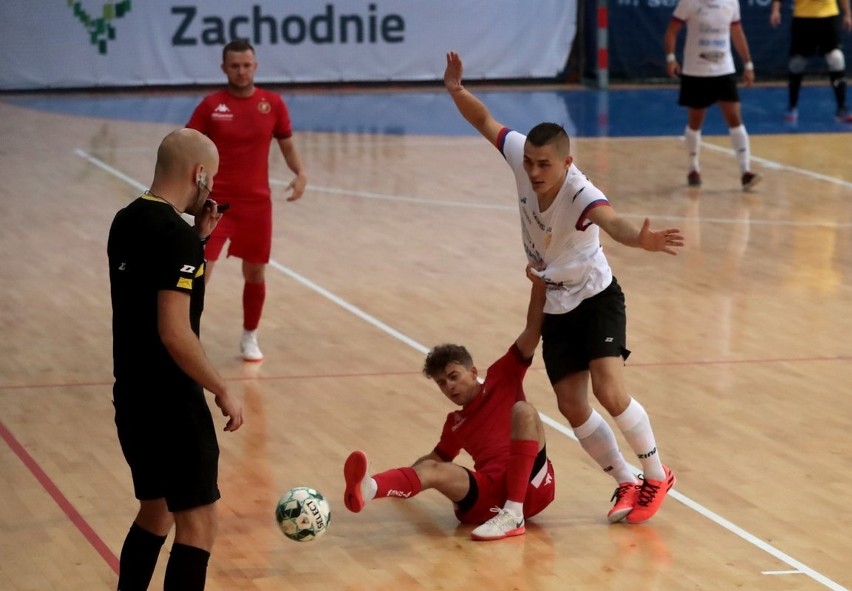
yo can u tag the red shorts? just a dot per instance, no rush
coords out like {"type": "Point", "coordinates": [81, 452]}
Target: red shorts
{"type": "Point", "coordinates": [248, 226]}
{"type": "Point", "coordinates": [492, 493]}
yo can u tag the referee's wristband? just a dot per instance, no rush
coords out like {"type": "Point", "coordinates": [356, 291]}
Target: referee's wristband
{"type": "Point", "coordinates": [749, 65]}
{"type": "Point", "coordinates": [670, 57]}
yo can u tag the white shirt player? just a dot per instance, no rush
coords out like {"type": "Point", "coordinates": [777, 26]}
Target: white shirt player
{"type": "Point", "coordinates": [561, 237]}
{"type": "Point", "coordinates": [707, 51]}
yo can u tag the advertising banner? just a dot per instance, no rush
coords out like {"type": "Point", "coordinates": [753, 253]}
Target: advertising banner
{"type": "Point", "coordinates": [86, 43]}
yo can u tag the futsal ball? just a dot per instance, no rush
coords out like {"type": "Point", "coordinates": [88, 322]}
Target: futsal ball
{"type": "Point", "coordinates": [302, 514]}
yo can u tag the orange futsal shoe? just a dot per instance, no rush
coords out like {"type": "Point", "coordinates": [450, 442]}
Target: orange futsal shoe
{"type": "Point", "coordinates": [651, 495]}
{"type": "Point", "coordinates": [354, 472]}
{"type": "Point", "coordinates": [625, 499]}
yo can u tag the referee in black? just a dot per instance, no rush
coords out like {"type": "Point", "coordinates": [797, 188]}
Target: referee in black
{"type": "Point", "coordinates": [166, 431]}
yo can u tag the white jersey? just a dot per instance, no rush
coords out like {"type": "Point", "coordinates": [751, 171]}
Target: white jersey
{"type": "Point", "coordinates": [561, 237]}
{"type": "Point", "coordinates": [707, 51]}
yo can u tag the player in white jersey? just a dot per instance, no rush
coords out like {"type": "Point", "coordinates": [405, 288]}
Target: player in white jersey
{"type": "Point", "coordinates": [584, 331]}
{"type": "Point", "coordinates": [708, 75]}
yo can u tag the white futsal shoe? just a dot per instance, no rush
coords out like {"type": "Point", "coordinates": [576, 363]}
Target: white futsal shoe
{"type": "Point", "coordinates": [249, 348]}
{"type": "Point", "coordinates": [503, 525]}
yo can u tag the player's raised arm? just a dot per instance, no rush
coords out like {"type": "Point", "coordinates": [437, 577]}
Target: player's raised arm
{"type": "Point", "coordinates": [470, 107]}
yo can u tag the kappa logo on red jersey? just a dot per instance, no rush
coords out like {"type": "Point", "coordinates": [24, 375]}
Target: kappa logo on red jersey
{"type": "Point", "coordinates": [459, 421]}
{"type": "Point", "coordinates": [222, 112]}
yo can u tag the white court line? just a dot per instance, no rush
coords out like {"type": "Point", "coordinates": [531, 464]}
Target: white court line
{"type": "Point", "coordinates": [443, 203]}
{"type": "Point", "coordinates": [349, 307]}
{"type": "Point", "coordinates": [113, 171]}
{"type": "Point", "coordinates": [721, 521]}
{"type": "Point", "coordinates": [778, 166]}
{"type": "Point", "coordinates": [403, 199]}
{"type": "Point", "coordinates": [695, 506]}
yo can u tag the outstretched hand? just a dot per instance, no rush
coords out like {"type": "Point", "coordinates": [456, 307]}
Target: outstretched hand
{"type": "Point", "coordinates": [659, 241]}
{"type": "Point", "coordinates": [453, 72]}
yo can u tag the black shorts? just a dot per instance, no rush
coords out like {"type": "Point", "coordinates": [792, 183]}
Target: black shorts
{"type": "Point", "coordinates": [171, 447]}
{"type": "Point", "coordinates": [596, 328]}
{"type": "Point", "coordinates": [814, 36]}
{"type": "Point", "coordinates": [699, 92]}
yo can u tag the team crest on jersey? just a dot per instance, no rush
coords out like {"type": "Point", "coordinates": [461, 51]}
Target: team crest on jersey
{"type": "Point", "coordinates": [264, 107]}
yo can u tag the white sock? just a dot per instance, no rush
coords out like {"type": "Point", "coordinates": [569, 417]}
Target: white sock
{"type": "Point", "coordinates": [636, 428]}
{"type": "Point", "coordinates": [515, 508]}
{"type": "Point", "coordinates": [693, 147]}
{"type": "Point", "coordinates": [598, 439]}
{"type": "Point", "coordinates": [739, 138]}
{"type": "Point", "coordinates": [369, 489]}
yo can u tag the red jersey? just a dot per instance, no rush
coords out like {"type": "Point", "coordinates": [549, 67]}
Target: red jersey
{"type": "Point", "coordinates": [242, 129]}
{"type": "Point", "coordinates": [483, 428]}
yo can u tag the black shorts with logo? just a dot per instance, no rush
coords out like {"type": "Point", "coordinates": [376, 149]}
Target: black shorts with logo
{"type": "Point", "coordinates": [699, 92]}
{"type": "Point", "coordinates": [169, 442]}
{"type": "Point", "coordinates": [596, 328]}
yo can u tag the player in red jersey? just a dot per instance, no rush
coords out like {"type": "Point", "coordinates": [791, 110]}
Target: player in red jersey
{"type": "Point", "coordinates": [501, 431]}
{"type": "Point", "coordinates": [242, 120]}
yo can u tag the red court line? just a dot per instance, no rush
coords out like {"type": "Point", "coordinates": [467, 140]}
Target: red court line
{"type": "Point", "coordinates": [271, 378]}
{"type": "Point", "coordinates": [82, 525]}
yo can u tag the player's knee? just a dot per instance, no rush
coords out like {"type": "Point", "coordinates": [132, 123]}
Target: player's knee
{"type": "Point", "coordinates": [797, 64]}
{"type": "Point", "coordinates": [524, 419]}
{"type": "Point", "coordinates": [155, 517]}
{"type": "Point", "coordinates": [522, 409]}
{"type": "Point", "coordinates": [426, 469]}
{"type": "Point", "coordinates": [835, 60]}
{"type": "Point", "coordinates": [198, 526]}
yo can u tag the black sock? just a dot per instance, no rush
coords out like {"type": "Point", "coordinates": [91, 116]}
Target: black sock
{"type": "Point", "coordinates": [794, 85]}
{"type": "Point", "coordinates": [187, 569]}
{"type": "Point", "coordinates": [138, 558]}
{"type": "Point", "coordinates": [838, 85]}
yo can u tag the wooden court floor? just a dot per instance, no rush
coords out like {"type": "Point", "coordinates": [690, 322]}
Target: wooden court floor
{"type": "Point", "coordinates": [741, 354]}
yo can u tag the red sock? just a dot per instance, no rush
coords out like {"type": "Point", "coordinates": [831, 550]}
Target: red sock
{"type": "Point", "coordinates": [253, 296]}
{"type": "Point", "coordinates": [399, 482]}
{"type": "Point", "coordinates": [521, 460]}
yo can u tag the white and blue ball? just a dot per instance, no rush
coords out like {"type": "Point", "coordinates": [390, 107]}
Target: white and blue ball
{"type": "Point", "coordinates": [303, 514]}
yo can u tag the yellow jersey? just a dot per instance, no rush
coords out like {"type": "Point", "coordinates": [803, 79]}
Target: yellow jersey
{"type": "Point", "coordinates": [815, 8]}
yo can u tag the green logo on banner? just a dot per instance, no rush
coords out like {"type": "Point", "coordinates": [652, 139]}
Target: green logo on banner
{"type": "Point", "coordinates": [100, 29]}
